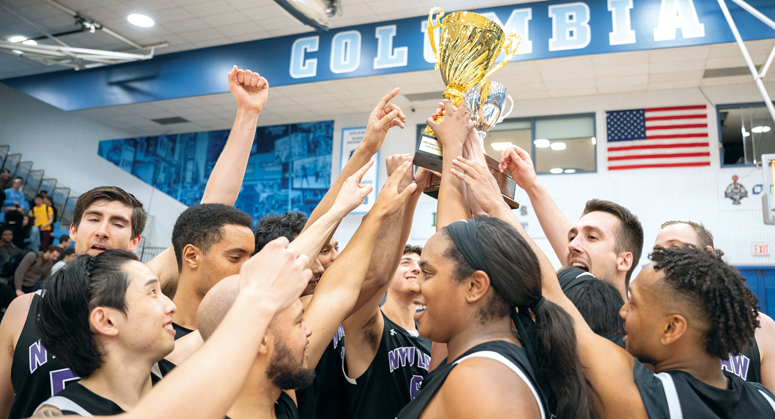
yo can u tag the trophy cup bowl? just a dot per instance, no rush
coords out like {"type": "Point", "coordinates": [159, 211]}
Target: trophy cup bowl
{"type": "Point", "coordinates": [485, 101]}
{"type": "Point", "coordinates": [469, 44]}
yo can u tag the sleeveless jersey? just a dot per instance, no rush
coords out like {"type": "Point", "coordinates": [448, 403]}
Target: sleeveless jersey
{"type": "Point", "coordinates": [326, 398]}
{"type": "Point", "coordinates": [747, 365]}
{"type": "Point", "coordinates": [180, 331]}
{"type": "Point", "coordinates": [36, 375]}
{"type": "Point", "coordinates": [79, 400]}
{"type": "Point", "coordinates": [506, 353]}
{"type": "Point", "coordinates": [677, 395]}
{"type": "Point", "coordinates": [284, 408]}
{"type": "Point", "coordinates": [393, 377]}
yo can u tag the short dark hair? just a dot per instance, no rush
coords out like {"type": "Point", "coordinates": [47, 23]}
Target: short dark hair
{"type": "Point", "coordinates": [43, 191]}
{"type": "Point", "coordinates": [412, 249]}
{"type": "Point", "coordinates": [273, 226]}
{"type": "Point", "coordinates": [65, 254]}
{"type": "Point", "coordinates": [63, 238]}
{"type": "Point", "coordinates": [200, 225]}
{"type": "Point", "coordinates": [704, 237]}
{"type": "Point", "coordinates": [38, 196]}
{"type": "Point", "coordinates": [111, 193]}
{"type": "Point", "coordinates": [599, 303]}
{"type": "Point", "coordinates": [71, 295]}
{"type": "Point", "coordinates": [53, 248]}
{"type": "Point", "coordinates": [714, 291]}
{"type": "Point", "coordinates": [630, 234]}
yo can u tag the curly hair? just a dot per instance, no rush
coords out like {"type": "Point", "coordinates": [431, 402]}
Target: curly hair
{"type": "Point", "coordinates": [273, 226]}
{"type": "Point", "coordinates": [714, 290]}
{"type": "Point", "coordinates": [412, 249]}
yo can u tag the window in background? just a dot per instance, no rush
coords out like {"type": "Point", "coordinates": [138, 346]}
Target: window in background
{"type": "Point", "coordinates": [557, 144]}
{"type": "Point", "coordinates": [746, 132]}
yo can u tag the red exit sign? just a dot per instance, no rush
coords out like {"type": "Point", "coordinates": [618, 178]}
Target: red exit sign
{"type": "Point", "coordinates": [761, 249]}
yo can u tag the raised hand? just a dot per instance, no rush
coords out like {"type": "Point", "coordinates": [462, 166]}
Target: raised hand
{"type": "Point", "coordinates": [390, 198]}
{"type": "Point", "coordinates": [381, 119]}
{"type": "Point", "coordinates": [422, 178]}
{"type": "Point", "coordinates": [481, 184]}
{"type": "Point", "coordinates": [518, 163]}
{"type": "Point", "coordinates": [277, 271]}
{"type": "Point", "coordinates": [249, 89]}
{"type": "Point", "coordinates": [394, 162]}
{"type": "Point", "coordinates": [353, 193]}
{"type": "Point", "coordinates": [454, 128]}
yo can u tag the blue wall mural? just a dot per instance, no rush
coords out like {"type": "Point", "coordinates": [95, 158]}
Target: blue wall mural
{"type": "Point", "coordinates": [289, 168]}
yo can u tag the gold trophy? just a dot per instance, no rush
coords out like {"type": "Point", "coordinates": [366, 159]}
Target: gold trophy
{"type": "Point", "coordinates": [469, 44]}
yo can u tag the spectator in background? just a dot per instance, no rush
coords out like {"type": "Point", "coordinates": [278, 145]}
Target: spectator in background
{"type": "Point", "coordinates": [6, 181]}
{"type": "Point", "coordinates": [66, 257]}
{"type": "Point", "coordinates": [14, 198]}
{"type": "Point", "coordinates": [65, 242]}
{"type": "Point", "coordinates": [43, 218]}
{"type": "Point", "coordinates": [50, 202]}
{"type": "Point", "coordinates": [16, 222]}
{"type": "Point", "coordinates": [33, 269]}
{"type": "Point", "coordinates": [7, 248]}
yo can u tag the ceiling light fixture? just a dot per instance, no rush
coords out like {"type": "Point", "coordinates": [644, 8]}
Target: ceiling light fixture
{"type": "Point", "coordinates": [570, 170]}
{"type": "Point", "coordinates": [559, 146]}
{"type": "Point", "coordinates": [29, 42]}
{"type": "Point", "coordinates": [17, 38]}
{"type": "Point", "coordinates": [501, 146]}
{"type": "Point", "coordinates": [760, 129]}
{"type": "Point", "coordinates": [594, 140]}
{"type": "Point", "coordinates": [556, 170]}
{"type": "Point", "coordinates": [314, 13]}
{"type": "Point", "coordinates": [142, 21]}
{"type": "Point", "coordinates": [541, 143]}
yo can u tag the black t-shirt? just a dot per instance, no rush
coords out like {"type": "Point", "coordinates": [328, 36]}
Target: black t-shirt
{"type": "Point", "coordinates": [689, 397]}
{"type": "Point", "coordinates": [394, 376]}
{"type": "Point", "coordinates": [747, 365]}
{"type": "Point", "coordinates": [180, 331]}
{"type": "Point", "coordinates": [507, 353]}
{"type": "Point", "coordinates": [36, 375]}
{"type": "Point", "coordinates": [326, 398]}
{"type": "Point", "coordinates": [284, 408]}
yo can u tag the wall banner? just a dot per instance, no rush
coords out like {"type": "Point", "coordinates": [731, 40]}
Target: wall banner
{"type": "Point", "coordinates": [351, 137]}
{"type": "Point", "coordinates": [549, 29]}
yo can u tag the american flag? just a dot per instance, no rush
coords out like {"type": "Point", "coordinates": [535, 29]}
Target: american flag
{"type": "Point", "coordinates": [658, 137]}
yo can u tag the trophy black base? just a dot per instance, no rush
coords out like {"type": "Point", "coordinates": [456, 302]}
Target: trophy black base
{"type": "Point", "coordinates": [428, 155]}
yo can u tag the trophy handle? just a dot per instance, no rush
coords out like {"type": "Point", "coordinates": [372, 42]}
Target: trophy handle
{"type": "Point", "coordinates": [506, 47]}
{"type": "Point", "coordinates": [511, 108]}
{"type": "Point", "coordinates": [432, 27]}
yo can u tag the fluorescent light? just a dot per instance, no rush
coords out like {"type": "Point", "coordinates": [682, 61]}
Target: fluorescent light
{"type": "Point", "coordinates": [142, 21]}
{"type": "Point", "coordinates": [559, 146]}
{"type": "Point", "coordinates": [745, 134]}
{"type": "Point", "coordinates": [541, 143]}
{"type": "Point", "coordinates": [17, 38]}
{"type": "Point", "coordinates": [570, 170]}
{"type": "Point", "coordinates": [16, 51]}
{"type": "Point", "coordinates": [501, 146]}
{"type": "Point", "coordinates": [29, 42]}
{"type": "Point", "coordinates": [594, 140]}
{"type": "Point", "coordinates": [760, 129]}
{"type": "Point", "coordinates": [556, 170]}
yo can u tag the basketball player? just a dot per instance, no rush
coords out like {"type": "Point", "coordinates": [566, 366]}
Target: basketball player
{"type": "Point", "coordinates": [296, 347]}
{"type": "Point", "coordinates": [756, 362]}
{"type": "Point", "coordinates": [211, 242]}
{"type": "Point", "coordinates": [110, 218]}
{"type": "Point", "coordinates": [111, 332]}
{"type": "Point", "coordinates": [607, 240]}
{"type": "Point", "coordinates": [687, 311]}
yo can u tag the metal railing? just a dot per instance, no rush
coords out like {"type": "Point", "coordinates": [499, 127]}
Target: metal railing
{"type": "Point", "coordinates": [11, 161]}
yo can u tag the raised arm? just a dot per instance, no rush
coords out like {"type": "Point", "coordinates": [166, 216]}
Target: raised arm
{"type": "Point", "coordinates": [251, 92]}
{"type": "Point", "coordinates": [381, 119]}
{"type": "Point", "coordinates": [312, 239]}
{"type": "Point", "coordinates": [451, 132]}
{"type": "Point", "coordinates": [608, 367]}
{"type": "Point", "coordinates": [340, 286]}
{"type": "Point", "coordinates": [518, 163]}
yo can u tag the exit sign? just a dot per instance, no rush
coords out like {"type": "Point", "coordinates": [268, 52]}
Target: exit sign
{"type": "Point", "coordinates": [761, 249]}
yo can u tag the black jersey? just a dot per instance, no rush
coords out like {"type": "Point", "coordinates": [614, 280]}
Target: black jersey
{"type": "Point", "coordinates": [393, 377]}
{"type": "Point", "coordinates": [79, 400]}
{"type": "Point", "coordinates": [180, 331]}
{"type": "Point", "coordinates": [747, 365]}
{"type": "Point", "coordinates": [284, 408]}
{"type": "Point", "coordinates": [506, 353]}
{"type": "Point", "coordinates": [677, 395]}
{"type": "Point", "coordinates": [326, 398]}
{"type": "Point", "coordinates": [36, 375]}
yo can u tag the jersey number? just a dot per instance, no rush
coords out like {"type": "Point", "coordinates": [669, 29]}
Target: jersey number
{"type": "Point", "coordinates": [414, 385]}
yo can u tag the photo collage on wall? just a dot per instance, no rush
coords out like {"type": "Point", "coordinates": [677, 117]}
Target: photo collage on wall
{"type": "Point", "coordinates": [289, 168]}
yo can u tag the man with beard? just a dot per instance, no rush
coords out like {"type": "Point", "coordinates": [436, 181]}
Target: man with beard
{"type": "Point", "coordinates": [107, 217]}
{"type": "Point", "coordinates": [756, 363]}
{"type": "Point", "coordinates": [283, 363]}
{"type": "Point", "coordinates": [607, 240]}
